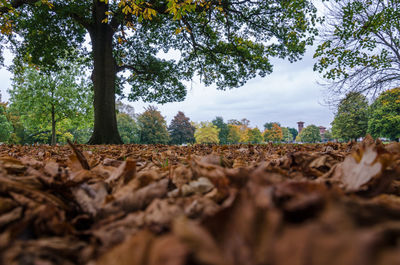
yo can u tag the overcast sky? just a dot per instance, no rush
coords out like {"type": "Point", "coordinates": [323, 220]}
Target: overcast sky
{"type": "Point", "coordinates": [288, 95]}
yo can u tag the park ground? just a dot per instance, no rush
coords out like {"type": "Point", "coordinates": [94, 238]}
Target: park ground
{"type": "Point", "coordinates": [330, 203]}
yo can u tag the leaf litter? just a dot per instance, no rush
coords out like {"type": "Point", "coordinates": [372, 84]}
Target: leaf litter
{"type": "Point", "coordinates": [241, 204]}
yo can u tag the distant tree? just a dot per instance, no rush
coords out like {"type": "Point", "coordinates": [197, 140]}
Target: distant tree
{"type": "Point", "coordinates": [384, 119]}
{"type": "Point", "coordinates": [125, 108]}
{"type": "Point", "coordinates": [234, 122]}
{"type": "Point", "coordinates": [268, 125]}
{"type": "Point", "coordinates": [233, 134]}
{"type": "Point", "coordinates": [310, 134]}
{"type": "Point", "coordinates": [152, 127]}
{"type": "Point", "coordinates": [328, 135]}
{"type": "Point", "coordinates": [81, 134]}
{"type": "Point", "coordinates": [255, 136]}
{"type": "Point", "coordinates": [206, 133]}
{"type": "Point", "coordinates": [351, 119]}
{"type": "Point", "coordinates": [242, 127]}
{"type": "Point", "coordinates": [6, 128]}
{"type": "Point", "coordinates": [286, 135]}
{"type": "Point", "coordinates": [128, 128]}
{"type": "Point", "coordinates": [48, 102]}
{"type": "Point", "coordinates": [181, 130]}
{"type": "Point", "coordinates": [244, 134]}
{"type": "Point", "coordinates": [294, 132]}
{"type": "Point", "coordinates": [19, 135]}
{"type": "Point", "coordinates": [223, 130]}
{"type": "Point", "coordinates": [245, 122]}
{"type": "Point", "coordinates": [274, 134]}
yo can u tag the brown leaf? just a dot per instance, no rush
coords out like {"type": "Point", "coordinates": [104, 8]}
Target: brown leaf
{"type": "Point", "coordinates": [356, 173]}
{"type": "Point", "coordinates": [90, 197]}
{"type": "Point", "coordinates": [79, 155]}
{"type": "Point", "coordinates": [12, 165]}
{"type": "Point", "coordinates": [198, 241]}
{"type": "Point", "coordinates": [117, 229]}
{"type": "Point", "coordinates": [6, 205]}
{"type": "Point", "coordinates": [48, 251]}
{"type": "Point", "coordinates": [51, 168]}
{"type": "Point", "coordinates": [11, 216]}
{"type": "Point", "coordinates": [181, 175]}
{"type": "Point", "coordinates": [134, 250]}
{"type": "Point", "coordinates": [129, 202]}
{"type": "Point", "coordinates": [125, 172]}
{"type": "Point", "coordinates": [201, 185]}
{"type": "Point", "coordinates": [168, 250]}
{"type": "Point", "coordinates": [160, 213]}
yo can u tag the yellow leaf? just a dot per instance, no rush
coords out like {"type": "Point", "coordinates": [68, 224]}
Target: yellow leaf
{"type": "Point", "coordinates": [178, 30]}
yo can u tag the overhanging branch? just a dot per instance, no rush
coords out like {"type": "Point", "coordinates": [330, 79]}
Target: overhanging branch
{"type": "Point", "coordinates": [15, 4]}
{"type": "Point", "coordinates": [130, 67]}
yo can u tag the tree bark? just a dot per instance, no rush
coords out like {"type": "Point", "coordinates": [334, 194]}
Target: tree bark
{"type": "Point", "coordinates": [103, 76]}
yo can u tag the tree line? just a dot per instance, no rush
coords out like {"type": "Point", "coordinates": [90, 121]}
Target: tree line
{"type": "Point", "coordinates": [355, 117]}
{"type": "Point", "coordinates": [48, 107]}
{"type": "Point", "coordinates": [29, 119]}
{"type": "Point", "coordinates": [51, 107]}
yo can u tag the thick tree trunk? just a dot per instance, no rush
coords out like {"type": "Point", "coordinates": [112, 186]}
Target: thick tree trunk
{"type": "Point", "coordinates": [103, 76]}
{"type": "Point", "coordinates": [53, 126]}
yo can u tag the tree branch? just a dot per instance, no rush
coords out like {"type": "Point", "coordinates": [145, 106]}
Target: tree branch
{"type": "Point", "coordinates": [130, 67]}
{"type": "Point", "coordinates": [81, 20]}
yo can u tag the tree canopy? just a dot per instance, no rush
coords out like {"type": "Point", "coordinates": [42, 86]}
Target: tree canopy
{"type": "Point", "coordinates": [128, 128]}
{"type": "Point", "coordinates": [351, 118]}
{"type": "Point", "coordinates": [328, 136]}
{"type": "Point", "coordinates": [223, 130]}
{"type": "Point", "coordinates": [224, 42]}
{"type": "Point", "coordinates": [287, 136]}
{"type": "Point", "coordinates": [152, 127]}
{"type": "Point", "coordinates": [206, 133]}
{"type": "Point", "coordinates": [6, 128]}
{"type": "Point", "coordinates": [233, 134]}
{"type": "Point", "coordinates": [384, 115]}
{"type": "Point", "coordinates": [360, 49]}
{"type": "Point", "coordinates": [255, 136]}
{"type": "Point", "coordinates": [181, 131]}
{"type": "Point", "coordinates": [46, 99]}
{"type": "Point", "coordinates": [269, 125]}
{"type": "Point", "coordinates": [310, 134]}
{"type": "Point", "coordinates": [294, 132]}
{"type": "Point", "coordinates": [274, 134]}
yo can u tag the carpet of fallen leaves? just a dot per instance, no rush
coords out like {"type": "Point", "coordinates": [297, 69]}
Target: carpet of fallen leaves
{"type": "Point", "coordinates": [153, 204]}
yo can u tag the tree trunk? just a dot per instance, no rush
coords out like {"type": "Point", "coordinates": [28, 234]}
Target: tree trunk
{"type": "Point", "coordinates": [53, 126]}
{"type": "Point", "coordinates": [103, 76]}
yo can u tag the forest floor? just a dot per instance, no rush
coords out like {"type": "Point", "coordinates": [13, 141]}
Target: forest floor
{"type": "Point", "coordinates": [241, 204]}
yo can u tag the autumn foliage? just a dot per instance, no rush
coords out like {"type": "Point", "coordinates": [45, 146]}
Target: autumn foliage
{"type": "Point", "coordinates": [236, 204]}
{"type": "Point", "coordinates": [274, 134]}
